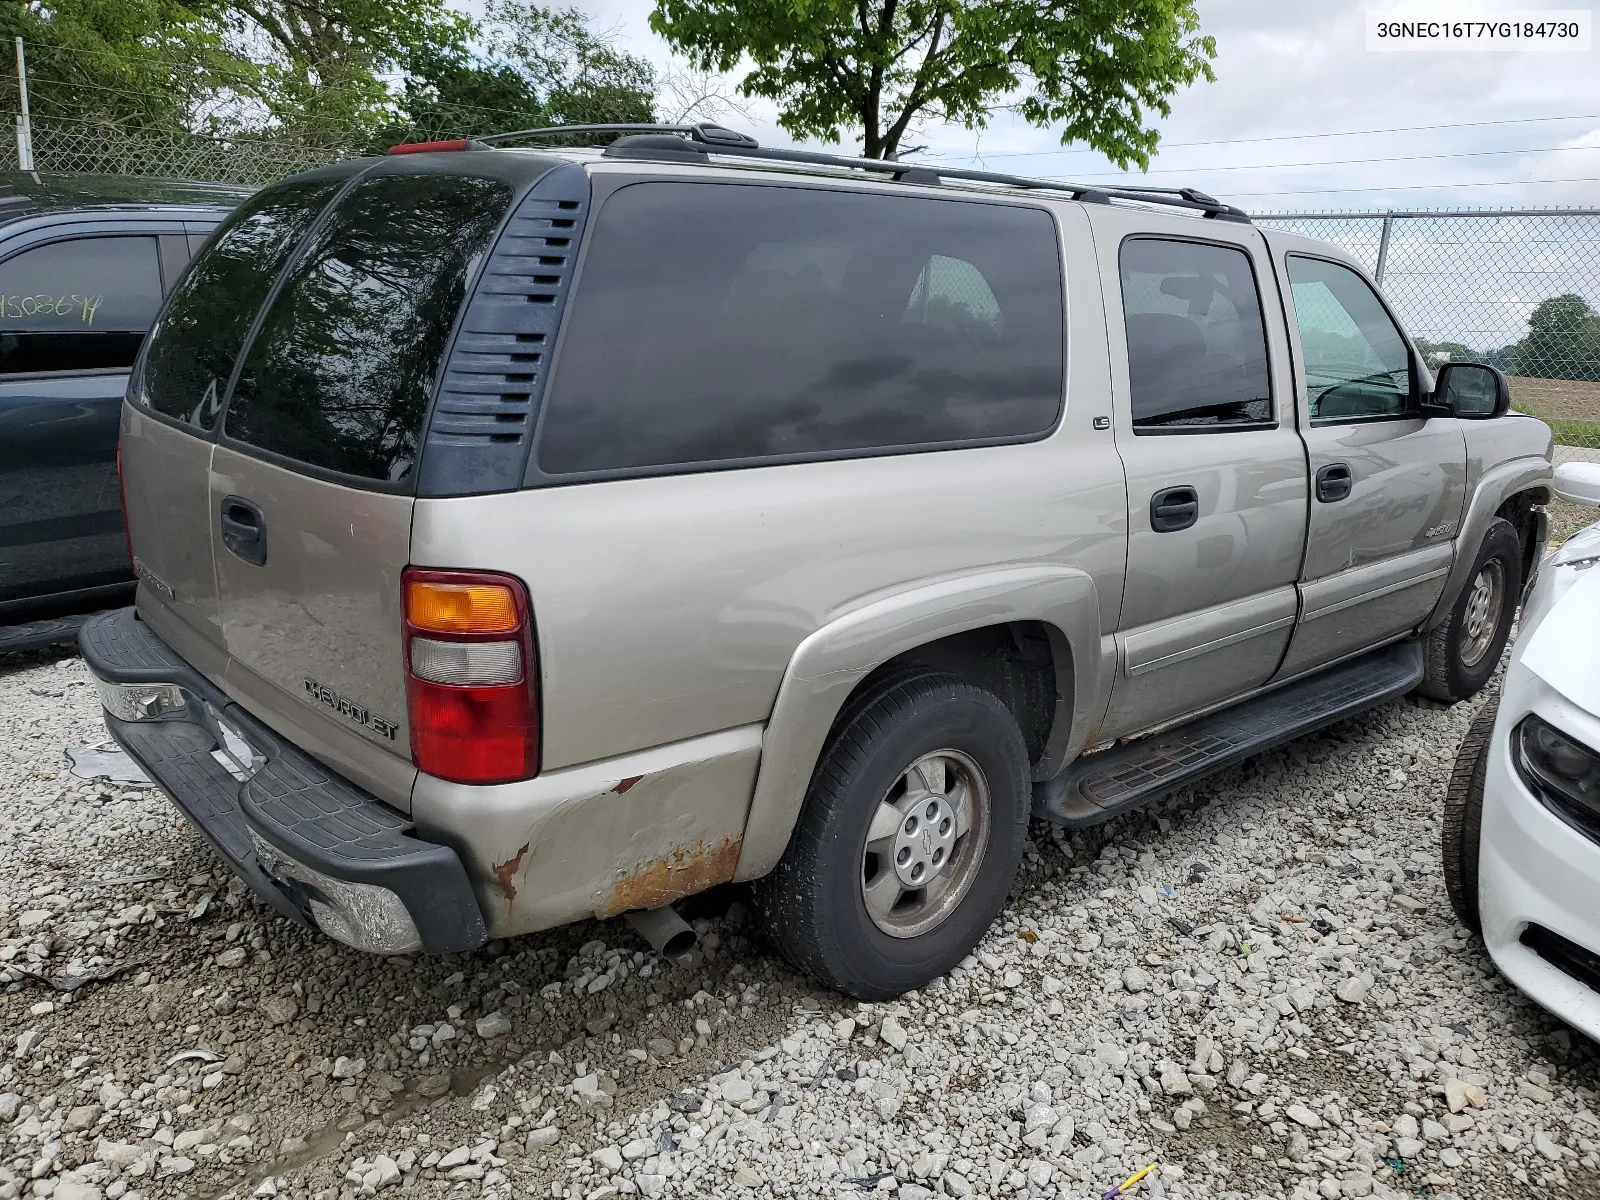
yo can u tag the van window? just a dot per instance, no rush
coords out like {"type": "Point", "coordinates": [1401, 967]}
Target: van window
{"type": "Point", "coordinates": [194, 344]}
{"type": "Point", "coordinates": [1197, 348]}
{"type": "Point", "coordinates": [734, 323]}
{"type": "Point", "coordinates": [342, 371]}
{"type": "Point", "coordinates": [1357, 364]}
{"type": "Point", "coordinates": [78, 305]}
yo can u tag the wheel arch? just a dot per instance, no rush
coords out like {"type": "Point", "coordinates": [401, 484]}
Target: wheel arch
{"type": "Point", "coordinates": [1517, 484]}
{"type": "Point", "coordinates": [953, 624]}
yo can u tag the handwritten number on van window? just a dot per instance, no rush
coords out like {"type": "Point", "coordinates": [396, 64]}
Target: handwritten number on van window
{"type": "Point", "coordinates": [82, 307]}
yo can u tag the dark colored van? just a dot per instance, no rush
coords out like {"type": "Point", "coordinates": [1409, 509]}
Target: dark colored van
{"type": "Point", "coordinates": [84, 264]}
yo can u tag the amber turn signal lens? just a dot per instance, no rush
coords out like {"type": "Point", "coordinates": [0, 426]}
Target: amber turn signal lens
{"type": "Point", "coordinates": [460, 608]}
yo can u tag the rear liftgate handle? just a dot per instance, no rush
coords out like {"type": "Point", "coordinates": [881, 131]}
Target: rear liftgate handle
{"type": "Point", "coordinates": [1334, 482]}
{"type": "Point", "coordinates": [244, 529]}
{"type": "Point", "coordinates": [1174, 508]}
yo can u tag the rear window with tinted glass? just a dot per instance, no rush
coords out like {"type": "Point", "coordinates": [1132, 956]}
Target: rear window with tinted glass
{"type": "Point", "coordinates": [729, 323]}
{"type": "Point", "coordinates": [340, 375]}
{"type": "Point", "coordinates": [197, 338]}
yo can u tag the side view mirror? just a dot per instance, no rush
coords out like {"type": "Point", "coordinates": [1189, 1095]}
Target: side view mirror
{"type": "Point", "coordinates": [1475, 391]}
{"type": "Point", "coordinates": [1579, 482]}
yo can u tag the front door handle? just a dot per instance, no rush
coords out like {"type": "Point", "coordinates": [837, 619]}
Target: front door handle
{"type": "Point", "coordinates": [1174, 508]}
{"type": "Point", "coordinates": [1334, 482]}
{"type": "Point", "coordinates": [244, 529]}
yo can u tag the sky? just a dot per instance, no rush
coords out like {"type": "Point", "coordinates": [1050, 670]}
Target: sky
{"type": "Point", "coordinates": [1293, 121]}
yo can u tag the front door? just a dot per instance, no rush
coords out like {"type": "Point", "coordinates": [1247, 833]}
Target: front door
{"type": "Point", "coordinates": [1215, 472]}
{"type": "Point", "coordinates": [1387, 483]}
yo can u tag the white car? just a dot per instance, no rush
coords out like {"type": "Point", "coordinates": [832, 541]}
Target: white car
{"type": "Point", "coordinates": [1521, 832]}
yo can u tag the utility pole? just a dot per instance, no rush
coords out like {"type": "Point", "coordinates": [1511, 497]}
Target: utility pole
{"type": "Point", "coordinates": [24, 120]}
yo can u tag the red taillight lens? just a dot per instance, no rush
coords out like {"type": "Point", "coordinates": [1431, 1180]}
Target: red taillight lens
{"type": "Point", "coordinates": [122, 495]}
{"type": "Point", "coordinates": [471, 684]}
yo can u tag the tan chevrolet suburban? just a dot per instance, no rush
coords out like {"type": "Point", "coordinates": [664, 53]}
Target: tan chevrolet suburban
{"type": "Point", "coordinates": [530, 534]}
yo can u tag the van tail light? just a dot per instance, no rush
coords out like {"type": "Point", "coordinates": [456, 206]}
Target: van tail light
{"type": "Point", "coordinates": [122, 495]}
{"type": "Point", "coordinates": [472, 691]}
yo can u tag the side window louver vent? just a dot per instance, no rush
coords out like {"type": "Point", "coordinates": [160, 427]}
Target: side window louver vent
{"type": "Point", "coordinates": [482, 420]}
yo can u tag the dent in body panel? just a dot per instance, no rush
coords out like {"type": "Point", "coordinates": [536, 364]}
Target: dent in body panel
{"type": "Point", "coordinates": [1505, 456]}
{"type": "Point", "coordinates": [1410, 478]}
{"type": "Point", "coordinates": [600, 839]}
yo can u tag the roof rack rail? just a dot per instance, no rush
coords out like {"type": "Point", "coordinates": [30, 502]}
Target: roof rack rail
{"type": "Point", "coordinates": [696, 143]}
{"type": "Point", "coordinates": [703, 132]}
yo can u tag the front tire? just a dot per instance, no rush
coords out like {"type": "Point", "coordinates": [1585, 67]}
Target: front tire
{"type": "Point", "coordinates": [1461, 832]}
{"type": "Point", "coordinates": [908, 841]}
{"type": "Point", "coordinates": [1461, 655]}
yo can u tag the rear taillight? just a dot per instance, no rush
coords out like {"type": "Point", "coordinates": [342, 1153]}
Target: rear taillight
{"type": "Point", "coordinates": [471, 677]}
{"type": "Point", "coordinates": [122, 495]}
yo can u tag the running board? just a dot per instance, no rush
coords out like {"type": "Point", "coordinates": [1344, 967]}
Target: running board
{"type": "Point", "coordinates": [35, 634]}
{"type": "Point", "coordinates": [1101, 786]}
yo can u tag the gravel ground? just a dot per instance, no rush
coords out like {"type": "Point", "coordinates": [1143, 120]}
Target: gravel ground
{"type": "Point", "coordinates": [1258, 985]}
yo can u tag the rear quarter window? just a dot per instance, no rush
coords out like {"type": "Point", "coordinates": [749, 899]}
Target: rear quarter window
{"type": "Point", "coordinates": [341, 373]}
{"type": "Point", "coordinates": [731, 323]}
{"type": "Point", "coordinates": [197, 338]}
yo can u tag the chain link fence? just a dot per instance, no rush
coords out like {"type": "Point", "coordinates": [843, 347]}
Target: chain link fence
{"type": "Point", "coordinates": [63, 146]}
{"type": "Point", "coordinates": [1517, 288]}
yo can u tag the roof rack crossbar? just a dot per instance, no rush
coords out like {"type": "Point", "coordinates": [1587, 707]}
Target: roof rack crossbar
{"type": "Point", "coordinates": [705, 138]}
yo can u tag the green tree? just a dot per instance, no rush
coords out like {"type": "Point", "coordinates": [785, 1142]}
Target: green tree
{"type": "Point", "coordinates": [147, 65]}
{"type": "Point", "coordinates": [1449, 351]}
{"type": "Point", "coordinates": [1563, 341]}
{"type": "Point", "coordinates": [529, 66]}
{"type": "Point", "coordinates": [323, 62]}
{"type": "Point", "coordinates": [1096, 68]}
{"type": "Point", "coordinates": [347, 75]}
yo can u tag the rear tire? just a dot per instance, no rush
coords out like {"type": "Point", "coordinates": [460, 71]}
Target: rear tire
{"type": "Point", "coordinates": [1460, 836]}
{"type": "Point", "coordinates": [1462, 654]}
{"type": "Point", "coordinates": [928, 752]}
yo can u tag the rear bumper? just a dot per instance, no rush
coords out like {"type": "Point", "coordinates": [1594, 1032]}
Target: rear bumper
{"type": "Point", "coordinates": [312, 845]}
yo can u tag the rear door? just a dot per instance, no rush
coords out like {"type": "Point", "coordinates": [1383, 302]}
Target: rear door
{"type": "Point", "coordinates": [73, 310]}
{"type": "Point", "coordinates": [313, 477]}
{"type": "Point", "coordinates": [169, 426]}
{"type": "Point", "coordinates": [1388, 484]}
{"type": "Point", "coordinates": [1216, 473]}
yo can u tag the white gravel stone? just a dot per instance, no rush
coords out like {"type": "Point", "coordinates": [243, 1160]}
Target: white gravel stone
{"type": "Point", "coordinates": [494, 1025]}
{"type": "Point", "coordinates": [1198, 977]}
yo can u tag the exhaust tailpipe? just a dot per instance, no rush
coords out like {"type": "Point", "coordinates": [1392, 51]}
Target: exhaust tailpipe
{"type": "Point", "coordinates": [668, 933]}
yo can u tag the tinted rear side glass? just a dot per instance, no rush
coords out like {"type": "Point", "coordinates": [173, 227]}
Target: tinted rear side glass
{"type": "Point", "coordinates": [340, 375]}
{"type": "Point", "coordinates": [1197, 348]}
{"type": "Point", "coordinates": [729, 323]}
{"type": "Point", "coordinates": [78, 305]}
{"type": "Point", "coordinates": [194, 344]}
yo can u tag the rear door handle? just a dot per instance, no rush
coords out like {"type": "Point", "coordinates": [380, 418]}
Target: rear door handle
{"type": "Point", "coordinates": [1174, 508]}
{"type": "Point", "coordinates": [1334, 482]}
{"type": "Point", "coordinates": [244, 529]}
